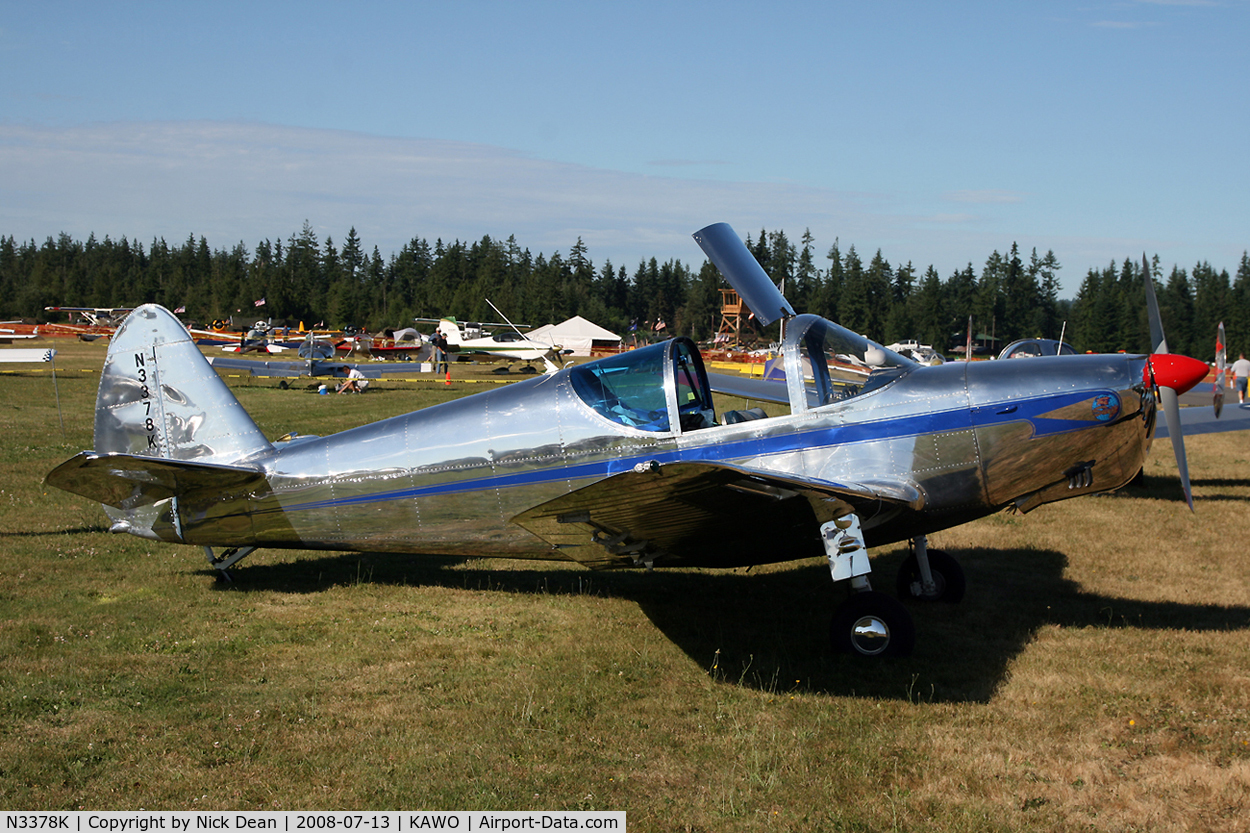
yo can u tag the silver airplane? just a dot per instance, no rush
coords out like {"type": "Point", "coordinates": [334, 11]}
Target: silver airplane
{"type": "Point", "coordinates": [626, 462]}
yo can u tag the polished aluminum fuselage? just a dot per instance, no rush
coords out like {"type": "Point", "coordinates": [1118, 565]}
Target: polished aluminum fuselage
{"type": "Point", "coordinates": [972, 438]}
{"type": "Point", "coordinates": [557, 466]}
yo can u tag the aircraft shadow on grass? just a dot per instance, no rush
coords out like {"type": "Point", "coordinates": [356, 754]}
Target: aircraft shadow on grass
{"type": "Point", "coordinates": [1166, 487]}
{"type": "Point", "coordinates": [769, 631]}
{"type": "Point", "coordinates": [90, 529]}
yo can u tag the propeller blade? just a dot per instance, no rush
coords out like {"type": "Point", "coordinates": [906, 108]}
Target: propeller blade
{"type": "Point", "coordinates": [1172, 415]}
{"type": "Point", "coordinates": [1221, 362]}
{"type": "Point", "coordinates": [1158, 344]}
{"type": "Point", "coordinates": [1173, 375]}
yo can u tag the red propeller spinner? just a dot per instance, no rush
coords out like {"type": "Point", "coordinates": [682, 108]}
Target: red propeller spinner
{"type": "Point", "coordinates": [1171, 370]}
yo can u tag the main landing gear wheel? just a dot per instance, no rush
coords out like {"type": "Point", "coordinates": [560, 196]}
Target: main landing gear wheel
{"type": "Point", "coordinates": [872, 624]}
{"type": "Point", "coordinates": [948, 579]}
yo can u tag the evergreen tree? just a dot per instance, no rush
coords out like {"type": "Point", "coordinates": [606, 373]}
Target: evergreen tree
{"type": "Point", "coordinates": [1044, 274]}
{"type": "Point", "coordinates": [801, 295]}
{"type": "Point", "coordinates": [1176, 308]}
{"type": "Point", "coordinates": [303, 278]}
{"type": "Point", "coordinates": [1212, 291]}
{"type": "Point", "coordinates": [297, 288]}
{"type": "Point", "coordinates": [988, 307]}
{"type": "Point", "coordinates": [829, 291]}
{"type": "Point", "coordinates": [958, 295]}
{"type": "Point", "coordinates": [704, 302]}
{"type": "Point", "coordinates": [1021, 299]}
{"type": "Point", "coordinates": [900, 324]}
{"type": "Point", "coordinates": [11, 276]}
{"type": "Point", "coordinates": [854, 303]}
{"type": "Point", "coordinates": [928, 313]}
{"type": "Point", "coordinates": [1237, 313]}
{"type": "Point", "coordinates": [879, 279]}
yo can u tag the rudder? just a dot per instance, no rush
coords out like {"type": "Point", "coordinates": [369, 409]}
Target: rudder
{"type": "Point", "coordinates": [159, 397]}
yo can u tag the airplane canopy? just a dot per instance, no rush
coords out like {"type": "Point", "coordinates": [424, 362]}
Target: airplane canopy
{"type": "Point", "coordinates": [744, 273]}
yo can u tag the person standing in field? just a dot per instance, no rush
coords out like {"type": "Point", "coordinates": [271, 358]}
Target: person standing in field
{"type": "Point", "coordinates": [1241, 373]}
{"type": "Point", "coordinates": [441, 348]}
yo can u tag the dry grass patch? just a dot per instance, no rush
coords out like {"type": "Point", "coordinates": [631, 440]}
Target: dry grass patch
{"type": "Point", "coordinates": [1094, 679]}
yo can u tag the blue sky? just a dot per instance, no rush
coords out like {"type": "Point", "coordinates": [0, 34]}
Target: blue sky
{"type": "Point", "coordinates": [935, 132]}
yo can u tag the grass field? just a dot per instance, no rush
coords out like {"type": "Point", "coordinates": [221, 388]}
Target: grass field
{"type": "Point", "coordinates": [1097, 676]}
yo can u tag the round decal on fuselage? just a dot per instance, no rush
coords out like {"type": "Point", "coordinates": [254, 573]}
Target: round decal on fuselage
{"type": "Point", "coordinates": [1106, 407]}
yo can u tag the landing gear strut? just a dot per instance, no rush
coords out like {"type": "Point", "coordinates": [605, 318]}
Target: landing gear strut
{"type": "Point", "coordinates": [930, 575]}
{"type": "Point", "coordinates": [222, 563]}
{"type": "Point", "coordinates": [868, 624]}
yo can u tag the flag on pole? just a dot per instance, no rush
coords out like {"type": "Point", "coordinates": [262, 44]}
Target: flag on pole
{"type": "Point", "coordinates": [259, 303]}
{"type": "Point", "coordinates": [180, 310]}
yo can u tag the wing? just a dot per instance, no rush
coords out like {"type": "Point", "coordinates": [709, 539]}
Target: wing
{"type": "Point", "coordinates": [259, 368]}
{"type": "Point", "coordinates": [705, 514]}
{"type": "Point", "coordinates": [338, 370]}
{"type": "Point", "coordinates": [749, 387]}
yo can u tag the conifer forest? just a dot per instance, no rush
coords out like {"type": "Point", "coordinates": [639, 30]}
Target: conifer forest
{"type": "Point", "coordinates": [1010, 295]}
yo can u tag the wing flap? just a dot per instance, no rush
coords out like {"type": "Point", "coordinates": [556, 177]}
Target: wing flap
{"type": "Point", "coordinates": [703, 514]}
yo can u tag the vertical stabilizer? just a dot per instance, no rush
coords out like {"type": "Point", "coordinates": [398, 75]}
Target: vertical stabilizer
{"type": "Point", "coordinates": [159, 397]}
{"type": "Point", "coordinates": [450, 330]}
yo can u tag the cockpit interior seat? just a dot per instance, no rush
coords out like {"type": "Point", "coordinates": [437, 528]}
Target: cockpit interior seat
{"type": "Point", "coordinates": [734, 417]}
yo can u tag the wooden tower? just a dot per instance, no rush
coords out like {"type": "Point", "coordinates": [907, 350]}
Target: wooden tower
{"type": "Point", "coordinates": [732, 309]}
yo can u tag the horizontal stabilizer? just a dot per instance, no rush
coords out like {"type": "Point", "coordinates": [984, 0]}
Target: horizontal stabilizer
{"type": "Point", "coordinates": [127, 481]}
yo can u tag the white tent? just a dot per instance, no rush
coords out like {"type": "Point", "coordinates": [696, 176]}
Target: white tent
{"type": "Point", "coordinates": [576, 334]}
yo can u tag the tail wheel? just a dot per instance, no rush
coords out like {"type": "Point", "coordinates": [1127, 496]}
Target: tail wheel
{"type": "Point", "coordinates": [948, 578]}
{"type": "Point", "coordinates": [872, 624]}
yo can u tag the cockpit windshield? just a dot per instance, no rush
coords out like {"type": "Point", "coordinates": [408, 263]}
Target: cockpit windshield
{"type": "Point", "coordinates": [663, 387]}
{"type": "Point", "coordinates": [826, 363]}
{"type": "Point", "coordinates": [627, 388]}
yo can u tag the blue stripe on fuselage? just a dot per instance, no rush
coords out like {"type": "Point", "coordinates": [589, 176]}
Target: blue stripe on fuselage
{"type": "Point", "coordinates": [784, 442]}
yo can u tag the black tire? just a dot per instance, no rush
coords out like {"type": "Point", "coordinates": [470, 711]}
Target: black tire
{"type": "Point", "coordinates": [947, 575]}
{"type": "Point", "coordinates": [872, 624]}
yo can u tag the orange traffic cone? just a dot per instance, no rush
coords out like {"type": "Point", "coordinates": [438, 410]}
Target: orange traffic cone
{"type": "Point", "coordinates": [448, 382]}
